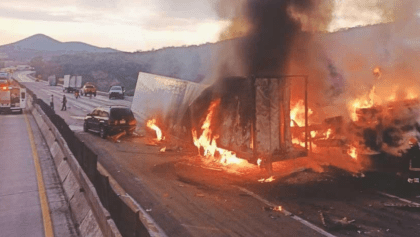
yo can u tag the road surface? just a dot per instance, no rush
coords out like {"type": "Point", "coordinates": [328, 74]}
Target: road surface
{"type": "Point", "coordinates": [32, 203]}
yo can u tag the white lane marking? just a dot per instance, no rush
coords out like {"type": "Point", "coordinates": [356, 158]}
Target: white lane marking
{"type": "Point", "coordinates": [286, 213]}
{"type": "Point", "coordinates": [396, 197]}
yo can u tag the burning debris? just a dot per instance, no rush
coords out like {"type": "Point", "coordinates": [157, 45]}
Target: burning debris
{"type": "Point", "coordinates": [273, 208]}
{"type": "Point", "coordinates": [267, 180]}
{"type": "Point", "coordinates": [152, 124]}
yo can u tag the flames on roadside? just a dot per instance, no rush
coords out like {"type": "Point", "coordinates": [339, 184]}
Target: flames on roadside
{"type": "Point", "coordinates": [206, 142]}
{"type": "Point", "coordinates": [152, 125]}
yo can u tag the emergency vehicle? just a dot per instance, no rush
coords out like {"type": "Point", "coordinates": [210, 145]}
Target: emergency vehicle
{"type": "Point", "coordinates": [12, 97]}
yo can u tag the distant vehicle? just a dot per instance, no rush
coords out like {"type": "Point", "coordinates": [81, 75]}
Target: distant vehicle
{"type": "Point", "coordinates": [38, 78]}
{"type": "Point", "coordinates": [88, 89]}
{"type": "Point", "coordinates": [116, 92]}
{"type": "Point", "coordinates": [71, 84]}
{"type": "Point", "coordinates": [4, 75]}
{"type": "Point", "coordinates": [52, 80]}
{"type": "Point", "coordinates": [110, 120]}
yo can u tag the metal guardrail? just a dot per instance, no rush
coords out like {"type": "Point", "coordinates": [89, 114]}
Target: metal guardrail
{"type": "Point", "coordinates": [126, 219]}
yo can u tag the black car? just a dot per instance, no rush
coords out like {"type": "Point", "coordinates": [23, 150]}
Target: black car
{"type": "Point", "coordinates": [110, 120]}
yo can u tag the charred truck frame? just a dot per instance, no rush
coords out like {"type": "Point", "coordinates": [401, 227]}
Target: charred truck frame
{"type": "Point", "coordinates": [253, 118]}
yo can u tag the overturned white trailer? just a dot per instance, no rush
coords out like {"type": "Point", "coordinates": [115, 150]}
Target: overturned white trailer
{"type": "Point", "coordinates": [164, 97]}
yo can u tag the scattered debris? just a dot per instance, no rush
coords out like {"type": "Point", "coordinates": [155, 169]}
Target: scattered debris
{"type": "Point", "coordinates": [151, 143]}
{"type": "Point", "coordinates": [149, 210]}
{"type": "Point", "coordinates": [267, 180]}
{"type": "Point", "coordinates": [166, 195]}
{"type": "Point", "coordinates": [276, 208]}
{"type": "Point", "coordinates": [163, 149]}
{"type": "Point", "coordinates": [117, 136]}
{"type": "Point", "coordinates": [331, 224]}
{"type": "Point", "coordinates": [199, 195]}
{"type": "Point", "coordinates": [359, 175]}
{"type": "Point", "coordinates": [137, 135]}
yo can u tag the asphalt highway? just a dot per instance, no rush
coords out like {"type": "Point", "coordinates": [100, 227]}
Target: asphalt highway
{"type": "Point", "coordinates": [31, 202]}
{"type": "Point", "coordinates": [187, 197]}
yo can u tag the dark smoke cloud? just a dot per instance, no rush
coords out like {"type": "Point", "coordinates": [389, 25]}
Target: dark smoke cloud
{"type": "Point", "coordinates": [271, 28]}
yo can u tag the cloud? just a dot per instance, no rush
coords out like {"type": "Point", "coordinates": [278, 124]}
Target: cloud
{"type": "Point", "coordinates": [36, 15]}
{"type": "Point", "coordinates": [198, 9]}
{"type": "Point", "coordinates": [127, 25]}
{"type": "Point", "coordinates": [101, 4]}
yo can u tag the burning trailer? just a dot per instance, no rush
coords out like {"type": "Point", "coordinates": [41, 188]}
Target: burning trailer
{"type": "Point", "coordinates": [246, 118]}
{"type": "Point", "coordinates": [233, 120]}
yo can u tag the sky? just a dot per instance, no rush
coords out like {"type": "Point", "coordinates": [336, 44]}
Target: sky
{"type": "Point", "coordinates": [133, 25]}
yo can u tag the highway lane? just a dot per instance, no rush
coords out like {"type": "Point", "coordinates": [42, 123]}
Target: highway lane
{"type": "Point", "coordinates": [20, 207]}
{"type": "Point", "coordinates": [32, 203]}
{"type": "Point", "coordinates": [76, 108]}
{"type": "Point", "coordinates": [186, 198]}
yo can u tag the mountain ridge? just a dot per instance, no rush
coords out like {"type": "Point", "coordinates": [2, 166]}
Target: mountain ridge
{"type": "Point", "coordinates": [41, 42]}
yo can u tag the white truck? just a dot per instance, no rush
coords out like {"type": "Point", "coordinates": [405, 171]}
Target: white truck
{"type": "Point", "coordinates": [71, 84]}
{"type": "Point", "coordinates": [52, 80]}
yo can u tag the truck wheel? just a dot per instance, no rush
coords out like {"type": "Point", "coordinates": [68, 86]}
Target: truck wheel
{"type": "Point", "coordinates": [102, 132]}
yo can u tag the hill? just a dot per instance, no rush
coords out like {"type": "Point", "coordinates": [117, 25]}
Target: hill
{"type": "Point", "coordinates": [45, 46]}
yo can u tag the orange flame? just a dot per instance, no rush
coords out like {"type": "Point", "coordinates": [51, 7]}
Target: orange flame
{"type": "Point", "coordinates": [377, 72]}
{"type": "Point", "coordinates": [267, 180]}
{"type": "Point", "coordinates": [352, 152]}
{"type": "Point", "coordinates": [259, 161]}
{"type": "Point", "coordinates": [328, 133]}
{"type": "Point", "coordinates": [278, 208]}
{"type": "Point", "coordinates": [297, 114]}
{"type": "Point", "coordinates": [152, 124]}
{"type": "Point", "coordinates": [208, 142]}
{"type": "Point", "coordinates": [363, 102]}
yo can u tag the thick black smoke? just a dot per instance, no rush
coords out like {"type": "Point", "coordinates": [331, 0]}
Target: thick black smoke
{"type": "Point", "coordinates": [273, 29]}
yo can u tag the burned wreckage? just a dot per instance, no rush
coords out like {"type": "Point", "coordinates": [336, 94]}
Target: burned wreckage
{"type": "Point", "coordinates": [253, 119]}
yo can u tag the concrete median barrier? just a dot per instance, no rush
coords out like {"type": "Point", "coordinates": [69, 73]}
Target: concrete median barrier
{"type": "Point", "coordinates": [91, 217]}
{"type": "Point", "coordinates": [99, 204]}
